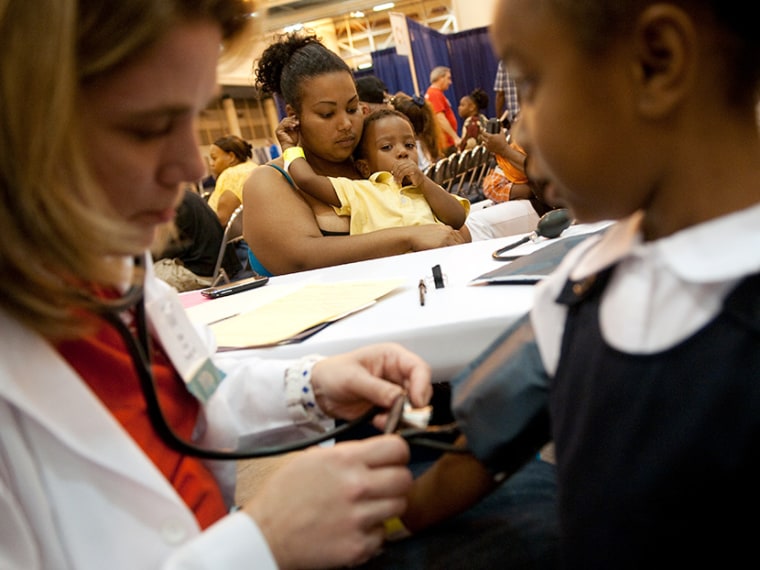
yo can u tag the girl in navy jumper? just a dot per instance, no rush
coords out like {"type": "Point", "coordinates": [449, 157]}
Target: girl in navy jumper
{"type": "Point", "coordinates": [641, 356]}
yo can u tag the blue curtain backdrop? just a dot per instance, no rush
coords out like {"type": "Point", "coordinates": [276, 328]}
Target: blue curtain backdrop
{"type": "Point", "coordinates": [473, 65]}
{"type": "Point", "coordinates": [469, 55]}
{"type": "Point", "coordinates": [429, 49]}
{"type": "Point", "coordinates": [392, 68]}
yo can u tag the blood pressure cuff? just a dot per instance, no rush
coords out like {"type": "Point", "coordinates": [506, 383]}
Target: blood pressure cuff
{"type": "Point", "coordinates": [500, 401]}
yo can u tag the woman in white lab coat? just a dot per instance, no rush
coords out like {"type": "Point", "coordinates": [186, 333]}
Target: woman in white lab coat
{"type": "Point", "coordinates": [97, 129]}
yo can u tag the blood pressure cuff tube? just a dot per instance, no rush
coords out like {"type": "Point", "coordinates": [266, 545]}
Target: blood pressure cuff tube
{"type": "Point", "coordinates": [500, 401]}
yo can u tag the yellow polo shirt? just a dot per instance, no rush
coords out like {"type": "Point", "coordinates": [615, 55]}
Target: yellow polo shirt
{"type": "Point", "coordinates": [231, 179]}
{"type": "Point", "coordinates": [380, 202]}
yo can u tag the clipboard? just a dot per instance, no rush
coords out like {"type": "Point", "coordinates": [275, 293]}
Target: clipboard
{"type": "Point", "coordinates": [531, 268]}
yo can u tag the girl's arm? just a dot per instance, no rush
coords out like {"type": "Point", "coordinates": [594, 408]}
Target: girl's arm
{"type": "Point", "coordinates": [514, 156]}
{"type": "Point", "coordinates": [445, 206]}
{"type": "Point", "coordinates": [299, 169]}
{"type": "Point", "coordinates": [309, 181]}
{"type": "Point", "coordinates": [453, 484]}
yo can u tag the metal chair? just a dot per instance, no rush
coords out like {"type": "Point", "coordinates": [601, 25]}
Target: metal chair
{"type": "Point", "coordinates": [233, 233]}
{"type": "Point", "coordinates": [464, 166]}
{"type": "Point", "coordinates": [441, 172]}
{"type": "Point", "coordinates": [482, 160]}
{"type": "Point", "coordinates": [451, 171]}
{"type": "Point", "coordinates": [430, 171]}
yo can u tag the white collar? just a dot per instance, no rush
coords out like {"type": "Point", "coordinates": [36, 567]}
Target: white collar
{"type": "Point", "coordinates": [720, 249]}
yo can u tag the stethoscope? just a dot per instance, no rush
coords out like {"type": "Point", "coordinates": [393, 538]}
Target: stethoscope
{"type": "Point", "coordinates": [550, 225]}
{"type": "Point", "coordinates": [139, 349]}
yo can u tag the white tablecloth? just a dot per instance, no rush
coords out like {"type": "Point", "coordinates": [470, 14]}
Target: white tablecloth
{"type": "Point", "coordinates": [453, 327]}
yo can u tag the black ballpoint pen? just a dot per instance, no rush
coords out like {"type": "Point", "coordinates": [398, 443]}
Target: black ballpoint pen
{"type": "Point", "coordinates": [423, 290]}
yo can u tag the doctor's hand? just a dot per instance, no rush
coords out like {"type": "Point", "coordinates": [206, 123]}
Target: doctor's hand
{"type": "Point", "coordinates": [325, 507]}
{"type": "Point", "coordinates": [347, 385]}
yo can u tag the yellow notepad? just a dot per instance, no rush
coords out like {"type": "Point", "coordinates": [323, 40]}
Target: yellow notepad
{"type": "Point", "coordinates": [289, 315]}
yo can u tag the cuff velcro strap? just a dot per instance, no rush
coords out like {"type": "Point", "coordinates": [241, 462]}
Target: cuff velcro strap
{"type": "Point", "coordinates": [395, 529]}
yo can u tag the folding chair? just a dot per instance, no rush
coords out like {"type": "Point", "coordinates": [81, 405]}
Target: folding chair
{"type": "Point", "coordinates": [464, 164]}
{"type": "Point", "coordinates": [233, 233]}
{"type": "Point", "coordinates": [430, 171]}
{"type": "Point", "coordinates": [483, 158]}
{"type": "Point", "coordinates": [451, 171]}
{"type": "Point", "coordinates": [441, 172]}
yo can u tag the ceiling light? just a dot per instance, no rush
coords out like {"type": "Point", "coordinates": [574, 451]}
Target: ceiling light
{"type": "Point", "coordinates": [293, 28]}
{"type": "Point", "coordinates": [381, 7]}
{"type": "Point", "coordinates": [357, 14]}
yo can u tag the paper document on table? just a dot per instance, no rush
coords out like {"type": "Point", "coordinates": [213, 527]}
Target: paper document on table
{"type": "Point", "coordinates": [211, 311]}
{"type": "Point", "coordinates": [308, 307]}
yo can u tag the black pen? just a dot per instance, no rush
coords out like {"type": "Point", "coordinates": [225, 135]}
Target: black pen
{"type": "Point", "coordinates": [423, 290]}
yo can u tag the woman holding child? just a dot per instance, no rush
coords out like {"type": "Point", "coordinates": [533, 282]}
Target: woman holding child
{"type": "Point", "coordinates": [318, 88]}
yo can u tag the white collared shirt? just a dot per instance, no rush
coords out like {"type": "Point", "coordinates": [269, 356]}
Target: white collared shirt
{"type": "Point", "coordinates": [662, 291]}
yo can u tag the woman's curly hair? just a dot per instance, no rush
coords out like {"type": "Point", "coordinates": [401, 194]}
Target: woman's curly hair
{"type": "Point", "coordinates": [290, 59]}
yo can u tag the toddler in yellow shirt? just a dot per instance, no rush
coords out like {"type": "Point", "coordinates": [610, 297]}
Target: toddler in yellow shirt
{"type": "Point", "coordinates": [394, 192]}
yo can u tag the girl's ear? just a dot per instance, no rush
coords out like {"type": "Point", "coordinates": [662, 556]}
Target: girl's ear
{"type": "Point", "coordinates": [363, 167]}
{"type": "Point", "coordinates": [290, 111]}
{"type": "Point", "coordinates": [667, 53]}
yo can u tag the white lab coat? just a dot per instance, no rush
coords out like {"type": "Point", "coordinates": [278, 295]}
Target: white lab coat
{"type": "Point", "coordinates": [76, 492]}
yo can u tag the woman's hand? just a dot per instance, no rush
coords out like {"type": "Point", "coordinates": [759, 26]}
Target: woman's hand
{"type": "Point", "coordinates": [431, 236]}
{"type": "Point", "coordinates": [325, 508]}
{"type": "Point", "coordinates": [347, 385]}
{"type": "Point", "coordinates": [287, 132]}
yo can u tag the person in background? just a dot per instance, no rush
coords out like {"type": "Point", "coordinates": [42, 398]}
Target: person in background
{"type": "Point", "coordinates": [641, 355]}
{"type": "Point", "coordinates": [425, 125]}
{"type": "Point", "coordinates": [231, 164]}
{"type": "Point", "coordinates": [287, 229]}
{"type": "Point", "coordinates": [187, 260]}
{"type": "Point", "coordinates": [395, 191]}
{"type": "Point", "coordinates": [99, 136]}
{"type": "Point", "coordinates": [503, 219]}
{"type": "Point", "coordinates": [507, 102]}
{"type": "Point", "coordinates": [373, 94]}
{"type": "Point", "coordinates": [471, 111]}
{"type": "Point", "coordinates": [509, 179]}
{"type": "Point", "coordinates": [440, 81]}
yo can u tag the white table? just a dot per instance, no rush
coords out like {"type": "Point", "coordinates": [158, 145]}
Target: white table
{"type": "Point", "coordinates": [456, 323]}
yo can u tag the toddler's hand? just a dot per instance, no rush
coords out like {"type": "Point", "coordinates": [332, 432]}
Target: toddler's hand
{"type": "Point", "coordinates": [287, 132]}
{"type": "Point", "coordinates": [407, 173]}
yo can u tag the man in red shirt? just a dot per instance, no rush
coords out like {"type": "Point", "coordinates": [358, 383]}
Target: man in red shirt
{"type": "Point", "coordinates": [440, 81]}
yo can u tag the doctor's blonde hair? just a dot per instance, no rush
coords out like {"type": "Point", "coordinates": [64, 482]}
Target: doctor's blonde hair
{"type": "Point", "coordinates": [58, 231]}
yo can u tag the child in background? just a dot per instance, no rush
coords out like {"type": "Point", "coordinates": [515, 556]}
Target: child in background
{"type": "Point", "coordinates": [471, 110]}
{"type": "Point", "coordinates": [426, 128]}
{"type": "Point", "coordinates": [641, 356]}
{"type": "Point", "coordinates": [395, 193]}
